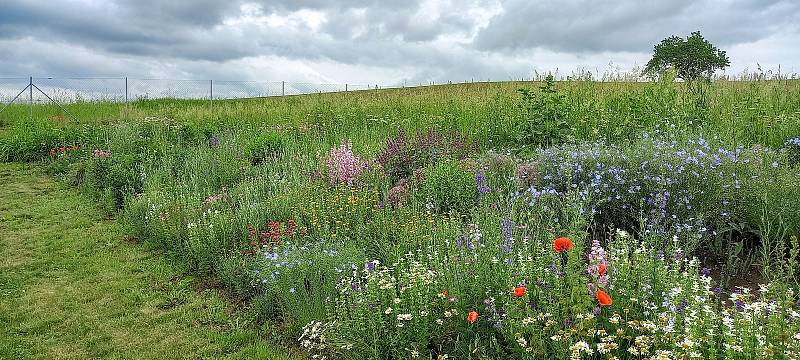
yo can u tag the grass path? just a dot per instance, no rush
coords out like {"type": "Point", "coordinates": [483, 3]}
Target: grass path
{"type": "Point", "coordinates": [72, 288]}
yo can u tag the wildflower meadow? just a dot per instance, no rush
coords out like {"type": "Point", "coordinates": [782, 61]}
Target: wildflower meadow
{"type": "Point", "coordinates": [620, 221]}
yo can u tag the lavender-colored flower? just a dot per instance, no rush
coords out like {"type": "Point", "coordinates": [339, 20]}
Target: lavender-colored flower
{"type": "Point", "coordinates": [739, 305]}
{"type": "Point", "coordinates": [681, 306]}
{"type": "Point", "coordinates": [482, 182]}
{"type": "Point", "coordinates": [507, 242]}
{"type": "Point", "coordinates": [705, 271]}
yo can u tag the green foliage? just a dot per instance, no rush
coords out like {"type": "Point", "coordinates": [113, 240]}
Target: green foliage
{"type": "Point", "coordinates": [113, 178]}
{"type": "Point", "coordinates": [446, 187]}
{"type": "Point", "coordinates": [793, 151]}
{"type": "Point", "coordinates": [692, 58]}
{"type": "Point", "coordinates": [263, 147]}
{"type": "Point", "coordinates": [544, 118]}
{"type": "Point", "coordinates": [237, 275]}
{"type": "Point", "coordinates": [31, 140]}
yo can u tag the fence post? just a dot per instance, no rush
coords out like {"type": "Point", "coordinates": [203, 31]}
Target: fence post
{"type": "Point", "coordinates": [211, 93]}
{"type": "Point", "coordinates": [345, 87]}
{"type": "Point", "coordinates": [126, 90]}
{"type": "Point", "coordinates": [30, 98]}
{"type": "Point", "coordinates": [283, 88]}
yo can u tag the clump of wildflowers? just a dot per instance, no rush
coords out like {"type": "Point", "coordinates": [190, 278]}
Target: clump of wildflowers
{"type": "Point", "coordinates": [344, 166]}
{"type": "Point", "coordinates": [403, 155]}
{"type": "Point", "coordinates": [100, 153]}
{"type": "Point", "coordinates": [398, 194]}
{"type": "Point", "coordinates": [597, 267]}
{"type": "Point", "coordinates": [63, 150]}
{"type": "Point", "coordinates": [482, 182]}
{"type": "Point", "coordinates": [274, 233]}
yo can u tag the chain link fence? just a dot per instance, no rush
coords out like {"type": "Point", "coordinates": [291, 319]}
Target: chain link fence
{"type": "Point", "coordinates": [123, 89]}
{"type": "Point", "coordinates": [19, 95]}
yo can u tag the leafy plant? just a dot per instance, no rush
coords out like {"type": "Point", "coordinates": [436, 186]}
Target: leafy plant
{"type": "Point", "coordinates": [263, 147]}
{"type": "Point", "coordinates": [544, 116]}
{"type": "Point", "coordinates": [446, 187]}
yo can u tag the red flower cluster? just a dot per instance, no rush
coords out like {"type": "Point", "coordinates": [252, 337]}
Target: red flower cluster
{"type": "Point", "coordinates": [274, 233]}
{"type": "Point", "coordinates": [54, 152]}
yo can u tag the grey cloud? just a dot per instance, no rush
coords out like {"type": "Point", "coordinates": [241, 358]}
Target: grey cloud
{"type": "Point", "coordinates": [191, 38]}
{"type": "Point", "coordinates": [595, 26]}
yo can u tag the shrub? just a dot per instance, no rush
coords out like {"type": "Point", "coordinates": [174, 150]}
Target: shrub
{"type": "Point", "coordinates": [446, 187]}
{"type": "Point", "coordinates": [263, 147]}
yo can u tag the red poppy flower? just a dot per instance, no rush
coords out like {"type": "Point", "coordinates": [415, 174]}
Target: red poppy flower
{"type": "Point", "coordinates": [601, 269]}
{"type": "Point", "coordinates": [603, 298]}
{"type": "Point", "coordinates": [562, 244]}
{"type": "Point", "coordinates": [472, 317]}
{"type": "Point", "coordinates": [519, 291]}
{"type": "Point", "coordinates": [52, 152]}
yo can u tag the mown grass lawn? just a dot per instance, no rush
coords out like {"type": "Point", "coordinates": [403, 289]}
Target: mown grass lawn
{"type": "Point", "coordinates": [71, 286]}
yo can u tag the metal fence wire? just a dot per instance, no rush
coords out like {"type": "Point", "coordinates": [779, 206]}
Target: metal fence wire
{"type": "Point", "coordinates": [123, 89]}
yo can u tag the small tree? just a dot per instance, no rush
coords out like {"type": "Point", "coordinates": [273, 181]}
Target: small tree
{"type": "Point", "coordinates": [691, 58]}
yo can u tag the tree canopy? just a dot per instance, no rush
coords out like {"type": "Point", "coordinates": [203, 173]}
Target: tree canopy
{"type": "Point", "coordinates": [691, 58]}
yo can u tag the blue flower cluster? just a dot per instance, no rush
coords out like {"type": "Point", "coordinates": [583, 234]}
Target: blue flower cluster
{"type": "Point", "coordinates": [656, 186]}
{"type": "Point", "coordinates": [282, 265]}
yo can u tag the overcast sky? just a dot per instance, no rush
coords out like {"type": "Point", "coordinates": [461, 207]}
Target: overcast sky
{"type": "Point", "coordinates": [377, 42]}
